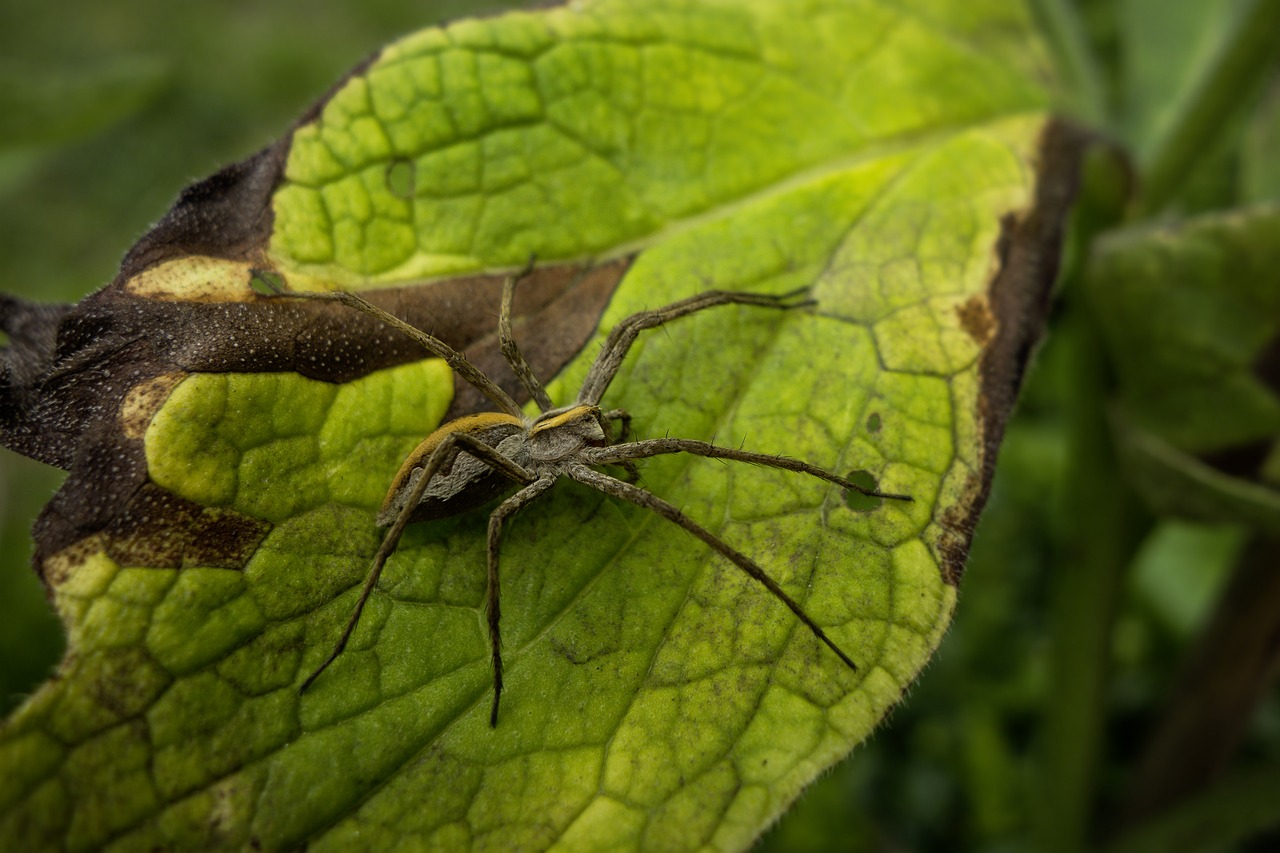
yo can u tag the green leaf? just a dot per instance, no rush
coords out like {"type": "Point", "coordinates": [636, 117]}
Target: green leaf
{"type": "Point", "coordinates": [655, 696]}
{"type": "Point", "coordinates": [1191, 313]}
{"type": "Point", "coordinates": [1192, 318]}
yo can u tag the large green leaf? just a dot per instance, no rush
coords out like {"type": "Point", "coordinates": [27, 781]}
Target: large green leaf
{"type": "Point", "coordinates": [1192, 317]}
{"type": "Point", "coordinates": [894, 160]}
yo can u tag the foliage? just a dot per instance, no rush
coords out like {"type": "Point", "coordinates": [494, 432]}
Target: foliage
{"type": "Point", "coordinates": [1093, 579]}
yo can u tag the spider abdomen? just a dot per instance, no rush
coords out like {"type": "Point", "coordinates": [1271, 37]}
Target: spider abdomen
{"type": "Point", "coordinates": [463, 482]}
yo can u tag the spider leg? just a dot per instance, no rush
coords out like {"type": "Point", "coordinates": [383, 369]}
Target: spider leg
{"type": "Point", "coordinates": [453, 443]}
{"type": "Point", "coordinates": [623, 417]}
{"type": "Point", "coordinates": [623, 335]}
{"type": "Point", "coordinates": [510, 351]}
{"type": "Point", "coordinates": [505, 510]}
{"type": "Point", "coordinates": [617, 454]}
{"type": "Point", "coordinates": [638, 496]}
{"type": "Point", "coordinates": [456, 360]}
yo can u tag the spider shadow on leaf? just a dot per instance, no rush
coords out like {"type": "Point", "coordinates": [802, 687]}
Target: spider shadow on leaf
{"type": "Point", "coordinates": [470, 461]}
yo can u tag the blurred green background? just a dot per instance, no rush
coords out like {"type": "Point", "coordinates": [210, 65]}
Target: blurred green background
{"type": "Point", "coordinates": [1094, 586]}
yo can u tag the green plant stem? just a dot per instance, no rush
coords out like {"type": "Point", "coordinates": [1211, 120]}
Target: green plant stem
{"type": "Point", "coordinates": [1242, 60]}
{"type": "Point", "coordinates": [1105, 526]}
{"type": "Point", "coordinates": [1085, 96]}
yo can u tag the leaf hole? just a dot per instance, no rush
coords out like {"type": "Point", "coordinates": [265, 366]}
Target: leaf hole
{"type": "Point", "coordinates": [266, 282]}
{"type": "Point", "coordinates": [401, 179]}
{"type": "Point", "coordinates": [857, 501]}
{"type": "Point", "coordinates": [873, 422]}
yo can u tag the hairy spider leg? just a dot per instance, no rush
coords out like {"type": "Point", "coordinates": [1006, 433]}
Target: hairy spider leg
{"type": "Point", "coordinates": [648, 500]}
{"type": "Point", "coordinates": [623, 417]}
{"type": "Point", "coordinates": [456, 360]}
{"type": "Point", "coordinates": [623, 335]}
{"type": "Point", "coordinates": [511, 352]}
{"type": "Point", "coordinates": [616, 454]}
{"type": "Point", "coordinates": [457, 442]}
{"type": "Point", "coordinates": [505, 510]}
{"type": "Point", "coordinates": [452, 444]}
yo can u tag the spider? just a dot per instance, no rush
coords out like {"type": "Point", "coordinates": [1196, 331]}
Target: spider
{"type": "Point", "coordinates": [472, 460]}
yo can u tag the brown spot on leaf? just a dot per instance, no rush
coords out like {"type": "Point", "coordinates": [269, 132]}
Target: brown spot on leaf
{"type": "Point", "coordinates": [558, 309]}
{"type": "Point", "coordinates": [152, 528]}
{"type": "Point", "coordinates": [143, 400]}
{"type": "Point", "coordinates": [975, 318]}
{"type": "Point", "coordinates": [227, 215]}
{"type": "Point", "coordinates": [957, 525]}
{"type": "Point", "coordinates": [79, 384]}
{"type": "Point", "coordinates": [161, 530]}
{"type": "Point", "coordinates": [58, 568]}
{"type": "Point", "coordinates": [1016, 306]}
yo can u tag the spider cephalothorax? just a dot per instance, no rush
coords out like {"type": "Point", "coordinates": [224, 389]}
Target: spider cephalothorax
{"type": "Point", "coordinates": [540, 445]}
{"type": "Point", "coordinates": [469, 461]}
